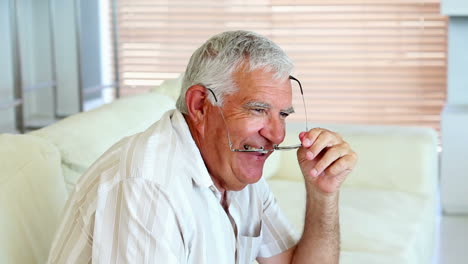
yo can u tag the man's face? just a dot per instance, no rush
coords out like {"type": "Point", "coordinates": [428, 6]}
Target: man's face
{"type": "Point", "coordinates": [255, 117]}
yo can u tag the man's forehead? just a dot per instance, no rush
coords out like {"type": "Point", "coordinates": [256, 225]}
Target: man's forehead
{"type": "Point", "coordinates": [259, 77]}
{"type": "Point", "coordinates": [264, 88]}
{"type": "Point", "coordinates": [261, 86]}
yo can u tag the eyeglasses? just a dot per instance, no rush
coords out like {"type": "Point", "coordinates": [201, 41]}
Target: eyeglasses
{"type": "Point", "coordinates": [262, 149]}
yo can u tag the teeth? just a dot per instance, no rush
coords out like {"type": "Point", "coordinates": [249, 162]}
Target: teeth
{"type": "Point", "coordinates": [248, 147]}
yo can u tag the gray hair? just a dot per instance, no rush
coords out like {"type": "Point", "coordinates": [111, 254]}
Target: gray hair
{"type": "Point", "coordinates": [214, 63]}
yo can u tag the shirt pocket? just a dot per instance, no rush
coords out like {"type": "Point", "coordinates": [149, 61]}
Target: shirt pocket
{"type": "Point", "coordinates": [249, 245]}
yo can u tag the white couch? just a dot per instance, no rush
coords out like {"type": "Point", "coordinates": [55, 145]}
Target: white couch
{"type": "Point", "coordinates": [388, 204]}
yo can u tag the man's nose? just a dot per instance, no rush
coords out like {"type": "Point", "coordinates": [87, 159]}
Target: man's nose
{"type": "Point", "coordinates": [274, 130]}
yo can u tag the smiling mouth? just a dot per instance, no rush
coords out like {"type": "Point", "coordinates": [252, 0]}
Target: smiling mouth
{"type": "Point", "coordinates": [248, 147]}
{"type": "Point", "coordinates": [260, 151]}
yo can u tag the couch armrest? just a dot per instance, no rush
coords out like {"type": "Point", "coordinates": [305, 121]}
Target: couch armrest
{"type": "Point", "coordinates": [83, 137]}
{"type": "Point", "coordinates": [32, 194]}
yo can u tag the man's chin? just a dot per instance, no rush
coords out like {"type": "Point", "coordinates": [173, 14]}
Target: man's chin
{"type": "Point", "coordinates": [244, 179]}
{"type": "Point", "coordinates": [252, 175]}
{"type": "Point", "coordinates": [251, 169]}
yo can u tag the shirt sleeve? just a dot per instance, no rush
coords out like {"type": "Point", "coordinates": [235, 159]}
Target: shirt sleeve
{"type": "Point", "coordinates": [137, 224]}
{"type": "Point", "coordinates": [134, 222]}
{"type": "Point", "coordinates": [277, 233]}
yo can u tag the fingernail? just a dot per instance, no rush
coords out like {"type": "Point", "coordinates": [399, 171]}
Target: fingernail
{"type": "Point", "coordinates": [301, 135]}
{"type": "Point", "coordinates": [306, 142]}
{"type": "Point", "coordinates": [310, 155]}
{"type": "Point", "coordinates": [314, 173]}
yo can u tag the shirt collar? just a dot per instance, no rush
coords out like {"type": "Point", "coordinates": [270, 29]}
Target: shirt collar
{"type": "Point", "coordinates": [190, 151]}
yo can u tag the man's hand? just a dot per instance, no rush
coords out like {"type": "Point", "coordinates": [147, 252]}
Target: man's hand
{"type": "Point", "coordinates": [325, 159]}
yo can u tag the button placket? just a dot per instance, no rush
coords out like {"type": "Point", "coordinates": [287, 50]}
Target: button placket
{"type": "Point", "coordinates": [230, 223]}
{"type": "Point", "coordinates": [233, 214]}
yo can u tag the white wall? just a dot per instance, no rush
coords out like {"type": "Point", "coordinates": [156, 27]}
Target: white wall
{"type": "Point", "coordinates": [106, 41]}
{"type": "Point", "coordinates": [454, 124]}
{"type": "Point", "coordinates": [458, 61]}
{"type": "Point", "coordinates": [66, 57]}
{"type": "Point", "coordinates": [91, 59]}
{"type": "Point", "coordinates": [454, 7]}
{"type": "Point", "coordinates": [35, 55]}
{"type": "Point", "coordinates": [36, 31]}
{"type": "Point", "coordinates": [6, 74]}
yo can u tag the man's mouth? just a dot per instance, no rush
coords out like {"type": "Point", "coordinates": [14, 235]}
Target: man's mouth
{"type": "Point", "coordinates": [259, 151]}
{"type": "Point", "coordinates": [248, 147]}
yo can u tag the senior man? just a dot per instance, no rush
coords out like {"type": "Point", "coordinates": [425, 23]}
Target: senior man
{"type": "Point", "coordinates": [189, 189]}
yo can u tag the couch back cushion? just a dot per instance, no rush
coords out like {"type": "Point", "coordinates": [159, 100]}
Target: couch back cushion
{"type": "Point", "coordinates": [170, 87]}
{"type": "Point", "coordinates": [32, 194]}
{"type": "Point", "coordinates": [390, 157]}
{"type": "Point", "coordinates": [83, 137]}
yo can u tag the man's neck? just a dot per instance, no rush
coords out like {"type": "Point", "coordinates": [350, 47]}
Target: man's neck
{"type": "Point", "coordinates": [196, 138]}
{"type": "Point", "coordinates": [216, 183]}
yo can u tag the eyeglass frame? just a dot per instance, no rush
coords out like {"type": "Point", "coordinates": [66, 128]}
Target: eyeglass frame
{"type": "Point", "coordinates": [261, 149]}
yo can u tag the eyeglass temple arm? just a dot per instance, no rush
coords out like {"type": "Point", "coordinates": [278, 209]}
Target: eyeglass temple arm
{"type": "Point", "coordinates": [224, 120]}
{"type": "Point", "coordinates": [303, 100]}
{"type": "Point", "coordinates": [300, 85]}
{"type": "Point", "coordinates": [290, 77]}
{"type": "Point", "coordinates": [211, 91]}
{"type": "Point", "coordinates": [302, 93]}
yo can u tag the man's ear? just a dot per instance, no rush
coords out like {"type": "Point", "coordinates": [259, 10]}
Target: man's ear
{"type": "Point", "coordinates": [195, 99]}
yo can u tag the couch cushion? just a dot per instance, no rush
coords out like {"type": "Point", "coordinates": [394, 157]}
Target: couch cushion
{"type": "Point", "coordinates": [390, 158]}
{"type": "Point", "coordinates": [397, 225]}
{"type": "Point", "coordinates": [82, 138]}
{"type": "Point", "coordinates": [32, 194]}
{"type": "Point", "coordinates": [170, 87]}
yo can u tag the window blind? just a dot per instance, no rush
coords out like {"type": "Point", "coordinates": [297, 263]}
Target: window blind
{"type": "Point", "coordinates": [360, 61]}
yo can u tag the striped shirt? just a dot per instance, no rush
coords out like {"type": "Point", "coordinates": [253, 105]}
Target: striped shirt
{"type": "Point", "coordinates": [150, 199]}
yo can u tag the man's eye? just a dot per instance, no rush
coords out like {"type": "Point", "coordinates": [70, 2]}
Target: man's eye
{"type": "Point", "coordinates": [284, 114]}
{"type": "Point", "coordinates": [259, 110]}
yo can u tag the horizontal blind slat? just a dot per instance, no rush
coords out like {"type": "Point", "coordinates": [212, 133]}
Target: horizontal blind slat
{"type": "Point", "coordinates": [360, 61]}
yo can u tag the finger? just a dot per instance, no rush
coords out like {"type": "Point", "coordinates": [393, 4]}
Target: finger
{"type": "Point", "coordinates": [325, 139]}
{"type": "Point", "coordinates": [301, 135]}
{"type": "Point", "coordinates": [331, 184]}
{"type": "Point", "coordinates": [341, 166]}
{"type": "Point", "coordinates": [308, 138]}
{"type": "Point", "coordinates": [330, 156]}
